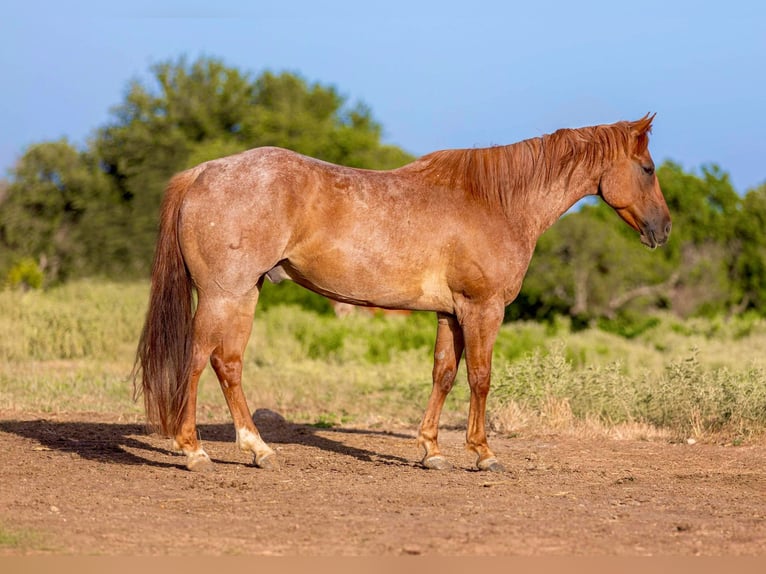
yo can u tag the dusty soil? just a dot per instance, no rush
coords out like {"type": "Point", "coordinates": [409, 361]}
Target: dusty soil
{"type": "Point", "coordinates": [89, 484]}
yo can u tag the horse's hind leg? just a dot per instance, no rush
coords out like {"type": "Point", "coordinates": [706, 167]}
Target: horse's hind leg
{"type": "Point", "coordinates": [235, 319]}
{"type": "Point", "coordinates": [447, 352]}
{"type": "Point", "coordinates": [222, 326]}
{"type": "Point", "coordinates": [186, 438]}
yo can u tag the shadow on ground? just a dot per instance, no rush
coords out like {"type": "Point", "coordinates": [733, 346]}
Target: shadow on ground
{"type": "Point", "coordinates": [118, 443]}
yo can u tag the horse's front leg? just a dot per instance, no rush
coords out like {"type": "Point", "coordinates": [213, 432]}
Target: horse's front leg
{"type": "Point", "coordinates": [480, 328]}
{"type": "Point", "coordinates": [447, 352]}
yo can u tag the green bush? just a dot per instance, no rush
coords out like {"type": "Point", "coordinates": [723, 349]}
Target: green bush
{"type": "Point", "coordinates": [687, 398]}
{"type": "Point", "coordinates": [26, 274]}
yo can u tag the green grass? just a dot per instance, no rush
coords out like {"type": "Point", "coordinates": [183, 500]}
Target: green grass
{"type": "Point", "coordinates": [70, 349]}
{"type": "Point", "coordinates": [21, 539]}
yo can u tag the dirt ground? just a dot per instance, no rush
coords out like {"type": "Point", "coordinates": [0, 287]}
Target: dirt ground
{"type": "Point", "coordinates": [92, 485]}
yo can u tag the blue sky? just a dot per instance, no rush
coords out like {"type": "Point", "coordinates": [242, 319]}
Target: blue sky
{"type": "Point", "coordinates": [436, 74]}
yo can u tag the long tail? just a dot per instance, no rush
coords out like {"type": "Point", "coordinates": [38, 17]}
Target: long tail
{"type": "Point", "coordinates": [163, 359]}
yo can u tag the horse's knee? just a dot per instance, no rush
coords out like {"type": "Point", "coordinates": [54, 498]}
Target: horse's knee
{"type": "Point", "coordinates": [479, 380]}
{"type": "Point", "coordinates": [445, 380]}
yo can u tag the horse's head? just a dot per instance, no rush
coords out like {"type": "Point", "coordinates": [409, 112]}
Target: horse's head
{"type": "Point", "coordinates": [629, 185]}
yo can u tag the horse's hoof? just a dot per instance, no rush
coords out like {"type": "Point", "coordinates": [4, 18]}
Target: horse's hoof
{"type": "Point", "coordinates": [267, 462]}
{"type": "Point", "coordinates": [491, 465]}
{"type": "Point", "coordinates": [437, 463]}
{"type": "Point", "coordinates": [200, 463]}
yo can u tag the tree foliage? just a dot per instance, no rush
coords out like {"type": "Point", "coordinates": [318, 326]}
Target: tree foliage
{"type": "Point", "coordinates": [747, 267]}
{"type": "Point", "coordinates": [50, 209]}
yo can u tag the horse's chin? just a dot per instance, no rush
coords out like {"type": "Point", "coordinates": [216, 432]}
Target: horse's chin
{"type": "Point", "coordinates": [649, 240]}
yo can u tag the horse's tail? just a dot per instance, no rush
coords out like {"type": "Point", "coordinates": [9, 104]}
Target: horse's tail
{"type": "Point", "coordinates": [163, 358]}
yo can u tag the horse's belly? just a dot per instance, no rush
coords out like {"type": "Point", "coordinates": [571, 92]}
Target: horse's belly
{"type": "Point", "coordinates": [373, 285]}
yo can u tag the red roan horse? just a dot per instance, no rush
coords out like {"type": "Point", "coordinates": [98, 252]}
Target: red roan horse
{"type": "Point", "coordinates": [452, 232]}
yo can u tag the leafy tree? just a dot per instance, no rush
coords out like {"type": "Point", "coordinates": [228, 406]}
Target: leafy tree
{"type": "Point", "coordinates": [701, 206]}
{"type": "Point", "coordinates": [705, 210]}
{"type": "Point", "coordinates": [748, 246]}
{"type": "Point", "coordinates": [585, 266]}
{"type": "Point", "coordinates": [312, 119]}
{"type": "Point", "coordinates": [43, 212]}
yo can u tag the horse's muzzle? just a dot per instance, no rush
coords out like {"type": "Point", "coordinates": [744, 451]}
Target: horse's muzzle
{"type": "Point", "coordinates": [654, 236]}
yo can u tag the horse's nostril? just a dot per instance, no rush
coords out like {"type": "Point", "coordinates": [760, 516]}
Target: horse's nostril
{"type": "Point", "coordinates": [667, 228]}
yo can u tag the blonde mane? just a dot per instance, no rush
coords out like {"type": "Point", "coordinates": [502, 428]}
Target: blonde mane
{"type": "Point", "coordinates": [496, 174]}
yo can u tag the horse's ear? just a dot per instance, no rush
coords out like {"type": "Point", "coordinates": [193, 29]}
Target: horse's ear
{"type": "Point", "coordinates": [640, 131]}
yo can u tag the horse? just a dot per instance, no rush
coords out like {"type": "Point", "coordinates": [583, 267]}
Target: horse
{"type": "Point", "coordinates": [452, 232]}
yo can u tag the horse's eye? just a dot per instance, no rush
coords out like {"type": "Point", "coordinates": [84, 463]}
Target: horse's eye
{"type": "Point", "coordinates": [648, 169]}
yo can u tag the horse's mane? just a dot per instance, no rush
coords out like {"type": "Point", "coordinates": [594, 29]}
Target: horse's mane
{"type": "Point", "coordinates": [495, 174]}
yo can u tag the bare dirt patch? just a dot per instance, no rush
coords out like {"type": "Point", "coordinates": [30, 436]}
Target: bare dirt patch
{"type": "Point", "coordinates": [90, 484]}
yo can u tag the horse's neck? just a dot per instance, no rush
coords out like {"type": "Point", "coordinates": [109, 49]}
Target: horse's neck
{"type": "Point", "coordinates": [546, 204]}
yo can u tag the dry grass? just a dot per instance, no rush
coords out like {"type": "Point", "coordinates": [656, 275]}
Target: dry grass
{"type": "Point", "coordinates": [555, 417]}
